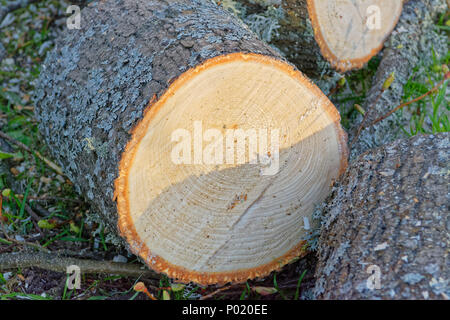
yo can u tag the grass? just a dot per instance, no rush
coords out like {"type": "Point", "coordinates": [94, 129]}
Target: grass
{"type": "Point", "coordinates": [427, 116]}
{"type": "Point", "coordinates": [430, 115]}
{"type": "Point", "coordinates": [354, 91]}
{"type": "Point", "coordinates": [28, 176]}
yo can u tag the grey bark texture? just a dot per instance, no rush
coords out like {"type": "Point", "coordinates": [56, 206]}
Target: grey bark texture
{"type": "Point", "coordinates": [96, 83]}
{"type": "Point", "coordinates": [410, 45]}
{"type": "Point", "coordinates": [390, 211]}
{"type": "Point", "coordinates": [286, 26]}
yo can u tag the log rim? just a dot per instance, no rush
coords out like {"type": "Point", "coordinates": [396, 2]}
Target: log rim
{"type": "Point", "coordinates": [339, 64]}
{"type": "Point", "coordinates": [124, 222]}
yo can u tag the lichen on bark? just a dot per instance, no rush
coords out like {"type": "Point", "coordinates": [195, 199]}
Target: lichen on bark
{"type": "Point", "coordinates": [389, 212]}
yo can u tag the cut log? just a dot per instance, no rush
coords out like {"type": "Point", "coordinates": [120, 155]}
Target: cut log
{"type": "Point", "coordinates": [351, 32]}
{"type": "Point", "coordinates": [386, 226]}
{"type": "Point", "coordinates": [348, 33]}
{"type": "Point", "coordinates": [142, 108]}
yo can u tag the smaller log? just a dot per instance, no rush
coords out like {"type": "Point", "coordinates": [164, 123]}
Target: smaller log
{"type": "Point", "coordinates": [386, 227]}
{"type": "Point", "coordinates": [351, 32]}
{"type": "Point", "coordinates": [285, 25]}
{"type": "Point", "coordinates": [346, 33]}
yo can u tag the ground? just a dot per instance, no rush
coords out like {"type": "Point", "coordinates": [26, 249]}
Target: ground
{"type": "Point", "coordinates": [39, 209]}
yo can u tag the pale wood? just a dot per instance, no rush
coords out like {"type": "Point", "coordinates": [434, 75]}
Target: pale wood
{"type": "Point", "coordinates": [342, 31]}
{"type": "Point", "coordinates": [219, 223]}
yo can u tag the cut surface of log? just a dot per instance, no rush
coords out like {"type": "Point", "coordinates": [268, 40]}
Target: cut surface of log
{"type": "Point", "coordinates": [386, 227]}
{"type": "Point", "coordinates": [351, 32]}
{"type": "Point", "coordinates": [198, 142]}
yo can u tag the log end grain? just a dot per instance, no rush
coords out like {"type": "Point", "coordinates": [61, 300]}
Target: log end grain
{"type": "Point", "coordinates": [350, 33]}
{"type": "Point", "coordinates": [222, 223]}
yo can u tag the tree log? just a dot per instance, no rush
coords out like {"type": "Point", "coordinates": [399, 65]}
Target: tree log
{"type": "Point", "coordinates": [118, 101]}
{"type": "Point", "coordinates": [388, 220]}
{"type": "Point", "coordinates": [351, 32]}
{"type": "Point", "coordinates": [345, 33]}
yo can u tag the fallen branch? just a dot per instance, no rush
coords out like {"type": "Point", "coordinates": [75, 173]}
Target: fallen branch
{"type": "Point", "coordinates": [57, 263]}
{"type": "Point", "coordinates": [52, 165]}
{"type": "Point", "coordinates": [214, 293]}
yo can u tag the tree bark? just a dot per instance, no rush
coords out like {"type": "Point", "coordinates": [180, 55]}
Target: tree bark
{"type": "Point", "coordinates": [97, 99]}
{"type": "Point", "coordinates": [389, 216]}
{"type": "Point", "coordinates": [288, 28]}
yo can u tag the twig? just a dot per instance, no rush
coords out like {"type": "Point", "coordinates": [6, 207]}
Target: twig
{"type": "Point", "coordinates": [21, 243]}
{"type": "Point", "coordinates": [212, 294]}
{"type": "Point", "coordinates": [57, 263]}
{"type": "Point", "coordinates": [52, 165]}
{"type": "Point", "coordinates": [436, 88]}
{"type": "Point", "coordinates": [11, 240]}
{"type": "Point", "coordinates": [34, 218]}
{"type": "Point", "coordinates": [339, 85]}
{"type": "Point", "coordinates": [48, 198]}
